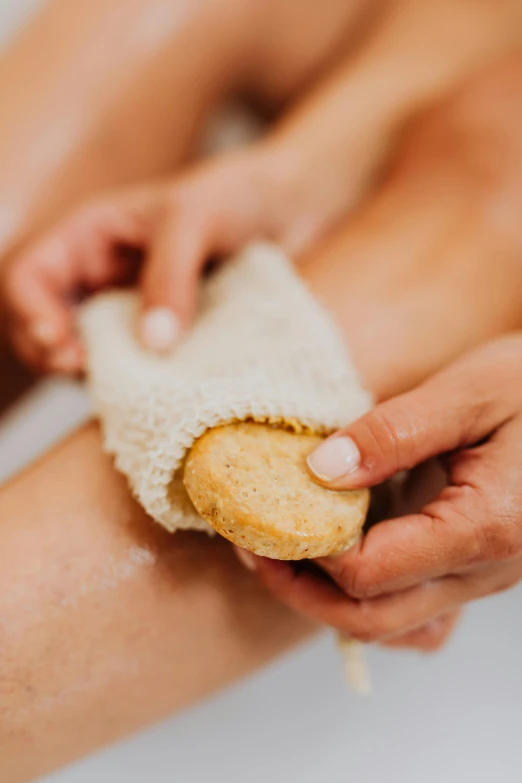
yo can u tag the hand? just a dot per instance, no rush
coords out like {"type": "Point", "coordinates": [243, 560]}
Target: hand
{"type": "Point", "coordinates": [291, 188]}
{"type": "Point", "coordinates": [410, 572]}
{"type": "Point", "coordinates": [165, 233]}
{"type": "Point", "coordinates": [427, 269]}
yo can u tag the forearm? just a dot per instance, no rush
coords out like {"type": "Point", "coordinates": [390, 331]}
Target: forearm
{"type": "Point", "coordinates": [91, 94]}
{"type": "Point", "coordinates": [97, 94]}
{"type": "Point", "coordinates": [108, 623]}
{"type": "Point", "coordinates": [421, 50]}
{"type": "Point", "coordinates": [339, 136]}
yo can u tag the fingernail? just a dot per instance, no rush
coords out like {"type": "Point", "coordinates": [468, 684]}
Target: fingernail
{"type": "Point", "coordinates": [44, 333]}
{"type": "Point", "coordinates": [159, 329]}
{"type": "Point", "coordinates": [334, 458]}
{"type": "Point", "coordinates": [246, 558]}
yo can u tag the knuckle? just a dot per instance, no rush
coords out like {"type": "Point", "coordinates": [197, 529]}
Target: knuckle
{"type": "Point", "coordinates": [454, 527]}
{"type": "Point", "coordinates": [372, 624]}
{"type": "Point", "coordinates": [481, 526]}
{"type": "Point", "coordinates": [434, 638]}
{"type": "Point", "coordinates": [366, 633]}
{"type": "Point", "coordinates": [501, 528]}
{"type": "Point", "coordinates": [384, 431]}
{"type": "Point", "coordinates": [359, 578]}
{"type": "Point", "coordinates": [363, 582]}
{"type": "Point", "coordinates": [504, 540]}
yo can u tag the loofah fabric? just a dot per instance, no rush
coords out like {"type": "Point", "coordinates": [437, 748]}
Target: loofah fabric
{"type": "Point", "coordinates": [262, 348]}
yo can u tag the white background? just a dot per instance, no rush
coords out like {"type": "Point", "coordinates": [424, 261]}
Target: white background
{"type": "Point", "coordinates": [456, 717]}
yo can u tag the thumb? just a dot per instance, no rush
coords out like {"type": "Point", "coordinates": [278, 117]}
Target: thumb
{"type": "Point", "coordinates": [454, 409]}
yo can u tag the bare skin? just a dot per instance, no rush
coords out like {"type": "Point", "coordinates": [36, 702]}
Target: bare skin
{"type": "Point", "coordinates": [93, 91]}
{"type": "Point", "coordinates": [87, 520]}
{"type": "Point", "coordinates": [292, 186]}
{"type": "Point", "coordinates": [168, 63]}
{"type": "Point", "coordinates": [463, 545]}
{"type": "Point", "coordinates": [36, 740]}
{"type": "Point", "coordinates": [444, 224]}
{"type": "Point", "coordinates": [108, 623]}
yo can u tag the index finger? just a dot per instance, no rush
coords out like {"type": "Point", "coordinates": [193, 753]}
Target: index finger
{"type": "Point", "coordinates": [400, 553]}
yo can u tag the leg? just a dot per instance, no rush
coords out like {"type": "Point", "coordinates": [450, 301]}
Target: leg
{"type": "Point", "coordinates": [72, 127]}
{"type": "Point", "coordinates": [109, 622]}
{"type": "Point", "coordinates": [341, 134]}
{"type": "Point", "coordinates": [69, 112]}
{"type": "Point", "coordinates": [80, 563]}
{"type": "Point", "coordinates": [125, 94]}
{"type": "Point", "coordinates": [430, 264]}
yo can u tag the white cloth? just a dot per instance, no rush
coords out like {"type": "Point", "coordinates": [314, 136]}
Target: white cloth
{"type": "Point", "coordinates": [261, 348]}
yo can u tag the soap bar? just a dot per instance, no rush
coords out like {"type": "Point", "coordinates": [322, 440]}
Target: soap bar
{"type": "Point", "coordinates": [250, 482]}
